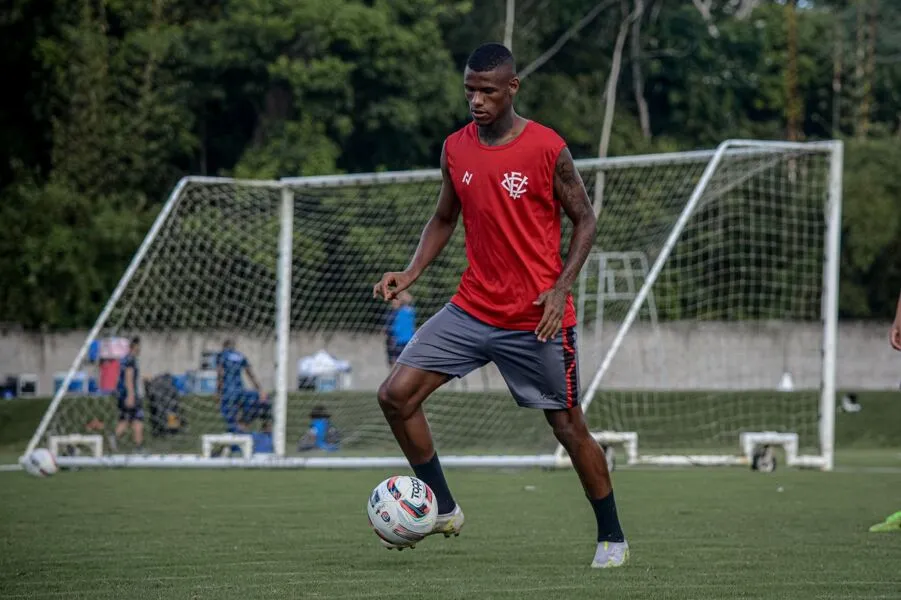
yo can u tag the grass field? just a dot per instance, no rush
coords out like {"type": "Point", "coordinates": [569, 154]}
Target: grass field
{"type": "Point", "coordinates": [247, 535]}
{"type": "Point", "coordinates": [695, 533]}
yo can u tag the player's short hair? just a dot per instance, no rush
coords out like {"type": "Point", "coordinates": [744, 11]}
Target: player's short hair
{"type": "Point", "coordinates": [228, 343]}
{"type": "Point", "coordinates": [488, 57]}
{"type": "Point", "coordinates": [135, 341]}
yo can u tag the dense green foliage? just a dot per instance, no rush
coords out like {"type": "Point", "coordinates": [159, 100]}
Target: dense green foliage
{"type": "Point", "coordinates": [114, 101]}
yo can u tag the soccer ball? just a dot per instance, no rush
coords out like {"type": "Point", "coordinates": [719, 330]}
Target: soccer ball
{"type": "Point", "coordinates": [40, 463]}
{"type": "Point", "coordinates": [402, 511]}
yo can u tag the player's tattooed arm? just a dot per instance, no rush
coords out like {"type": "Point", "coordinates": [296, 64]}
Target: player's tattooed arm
{"type": "Point", "coordinates": [434, 238]}
{"type": "Point", "coordinates": [570, 193]}
{"type": "Point", "coordinates": [572, 196]}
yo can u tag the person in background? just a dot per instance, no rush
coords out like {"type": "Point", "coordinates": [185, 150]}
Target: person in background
{"type": "Point", "coordinates": [894, 335]}
{"type": "Point", "coordinates": [400, 326]}
{"type": "Point", "coordinates": [893, 521]}
{"type": "Point", "coordinates": [321, 434]}
{"type": "Point", "coordinates": [131, 412]}
{"type": "Point", "coordinates": [236, 408]}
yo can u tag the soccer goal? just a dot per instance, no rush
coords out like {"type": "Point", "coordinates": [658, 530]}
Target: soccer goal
{"type": "Point", "coordinates": [714, 279]}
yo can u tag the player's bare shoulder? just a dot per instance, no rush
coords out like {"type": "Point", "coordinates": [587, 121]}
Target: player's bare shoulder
{"type": "Point", "coordinates": [569, 189]}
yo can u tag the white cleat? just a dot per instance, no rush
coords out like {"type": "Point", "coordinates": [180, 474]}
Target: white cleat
{"type": "Point", "coordinates": [610, 554]}
{"type": "Point", "coordinates": [449, 524]}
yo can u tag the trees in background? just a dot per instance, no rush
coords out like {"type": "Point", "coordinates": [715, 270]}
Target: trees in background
{"type": "Point", "coordinates": [116, 100]}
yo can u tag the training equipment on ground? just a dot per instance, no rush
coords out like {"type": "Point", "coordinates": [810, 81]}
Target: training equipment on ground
{"type": "Point", "coordinates": [40, 463]}
{"type": "Point", "coordinates": [714, 277]}
{"type": "Point", "coordinates": [402, 511]}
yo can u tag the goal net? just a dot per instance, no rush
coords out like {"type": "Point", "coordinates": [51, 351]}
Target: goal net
{"type": "Point", "coordinates": [713, 283]}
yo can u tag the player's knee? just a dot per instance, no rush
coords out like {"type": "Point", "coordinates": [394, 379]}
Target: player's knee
{"type": "Point", "coordinates": [570, 432]}
{"type": "Point", "coordinates": [392, 400]}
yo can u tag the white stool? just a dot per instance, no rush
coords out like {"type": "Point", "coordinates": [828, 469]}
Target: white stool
{"type": "Point", "coordinates": [94, 442]}
{"type": "Point", "coordinates": [242, 440]}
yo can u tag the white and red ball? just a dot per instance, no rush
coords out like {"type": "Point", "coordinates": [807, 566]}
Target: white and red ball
{"type": "Point", "coordinates": [40, 463]}
{"type": "Point", "coordinates": [402, 510]}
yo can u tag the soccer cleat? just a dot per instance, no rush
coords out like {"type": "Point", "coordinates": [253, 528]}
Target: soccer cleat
{"type": "Point", "coordinates": [389, 546]}
{"type": "Point", "coordinates": [610, 554]}
{"type": "Point", "coordinates": [449, 524]}
{"type": "Point", "coordinates": [892, 523]}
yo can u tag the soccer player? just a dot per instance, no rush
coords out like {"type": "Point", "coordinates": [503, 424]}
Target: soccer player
{"type": "Point", "coordinates": [233, 401]}
{"type": "Point", "coordinates": [130, 410]}
{"type": "Point", "coordinates": [894, 335]}
{"type": "Point", "coordinates": [510, 178]}
{"type": "Point", "coordinates": [893, 521]}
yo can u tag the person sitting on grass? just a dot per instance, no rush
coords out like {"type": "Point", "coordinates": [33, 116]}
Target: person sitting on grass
{"type": "Point", "coordinates": [400, 326]}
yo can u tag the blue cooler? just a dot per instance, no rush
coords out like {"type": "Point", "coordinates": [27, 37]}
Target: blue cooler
{"type": "Point", "coordinates": [182, 383]}
{"type": "Point", "coordinates": [327, 382]}
{"type": "Point", "coordinates": [78, 385]}
{"type": "Point", "coordinates": [205, 383]}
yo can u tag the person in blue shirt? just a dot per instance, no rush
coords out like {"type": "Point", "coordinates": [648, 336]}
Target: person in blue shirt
{"type": "Point", "coordinates": [131, 412]}
{"type": "Point", "coordinates": [321, 434]}
{"type": "Point", "coordinates": [238, 407]}
{"type": "Point", "coordinates": [400, 326]}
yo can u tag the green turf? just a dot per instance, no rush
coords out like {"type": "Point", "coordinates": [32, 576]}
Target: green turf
{"type": "Point", "coordinates": [695, 533]}
{"type": "Point", "coordinates": [18, 421]}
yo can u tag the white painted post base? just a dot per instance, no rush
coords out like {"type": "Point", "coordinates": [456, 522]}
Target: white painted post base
{"type": "Point", "coordinates": [628, 439]}
{"type": "Point", "coordinates": [789, 441]}
{"type": "Point", "coordinates": [94, 442]}
{"type": "Point", "coordinates": [242, 440]}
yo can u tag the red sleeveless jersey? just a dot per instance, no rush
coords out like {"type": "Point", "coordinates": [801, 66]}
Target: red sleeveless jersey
{"type": "Point", "coordinates": [512, 223]}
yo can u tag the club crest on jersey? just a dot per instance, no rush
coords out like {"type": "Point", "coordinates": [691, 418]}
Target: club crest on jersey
{"type": "Point", "coordinates": [515, 183]}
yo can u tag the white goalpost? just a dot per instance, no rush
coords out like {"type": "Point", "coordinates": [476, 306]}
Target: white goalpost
{"type": "Point", "coordinates": [714, 277]}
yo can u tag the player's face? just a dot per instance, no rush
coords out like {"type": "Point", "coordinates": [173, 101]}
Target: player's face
{"type": "Point", "coordinates": [490, 93]}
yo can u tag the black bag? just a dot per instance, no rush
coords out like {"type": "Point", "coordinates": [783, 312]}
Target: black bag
{"type": "Point", "coordinates": [165, 410]}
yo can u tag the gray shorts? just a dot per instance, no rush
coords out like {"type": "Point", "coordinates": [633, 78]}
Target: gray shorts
{"type": "Point", "coordinates": [539, 374]}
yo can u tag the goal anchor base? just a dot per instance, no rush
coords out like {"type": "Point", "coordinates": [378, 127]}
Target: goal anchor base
{"type": "Point", "coordinates": [751, 442]}
{"type": "Point", "coordinates": [244, 441]}
{"type": "Point", "coordinates": [94, 442]}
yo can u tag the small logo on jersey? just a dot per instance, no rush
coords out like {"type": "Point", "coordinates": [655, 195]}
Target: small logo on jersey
{"type": "Point", "coordinates": [515, 183]}
{"type": "Point", "coordinates": [467, 177]}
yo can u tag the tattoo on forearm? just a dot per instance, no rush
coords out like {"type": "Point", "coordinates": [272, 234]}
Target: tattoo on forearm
{"type": "Point", "coordinates": [571, 193]}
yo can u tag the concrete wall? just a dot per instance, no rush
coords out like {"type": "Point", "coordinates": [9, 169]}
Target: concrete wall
{"type": "Point", "coordinates": [678, 356]}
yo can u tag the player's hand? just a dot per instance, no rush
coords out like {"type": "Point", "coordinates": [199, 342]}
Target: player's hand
{"type": "Point", "coordinates": [129, 401]}
{"type": "Point", "coordinates": [894, 336]}
{"type": "Point", "coordinates": [391, 284]}
{"type": "Point", "coordinates": [554, 301]}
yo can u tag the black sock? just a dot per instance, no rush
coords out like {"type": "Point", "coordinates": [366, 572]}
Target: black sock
{"type": "Point", "coordinates": [609, 529]}
{"type": "Point", "coordinates": [433, 477]}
